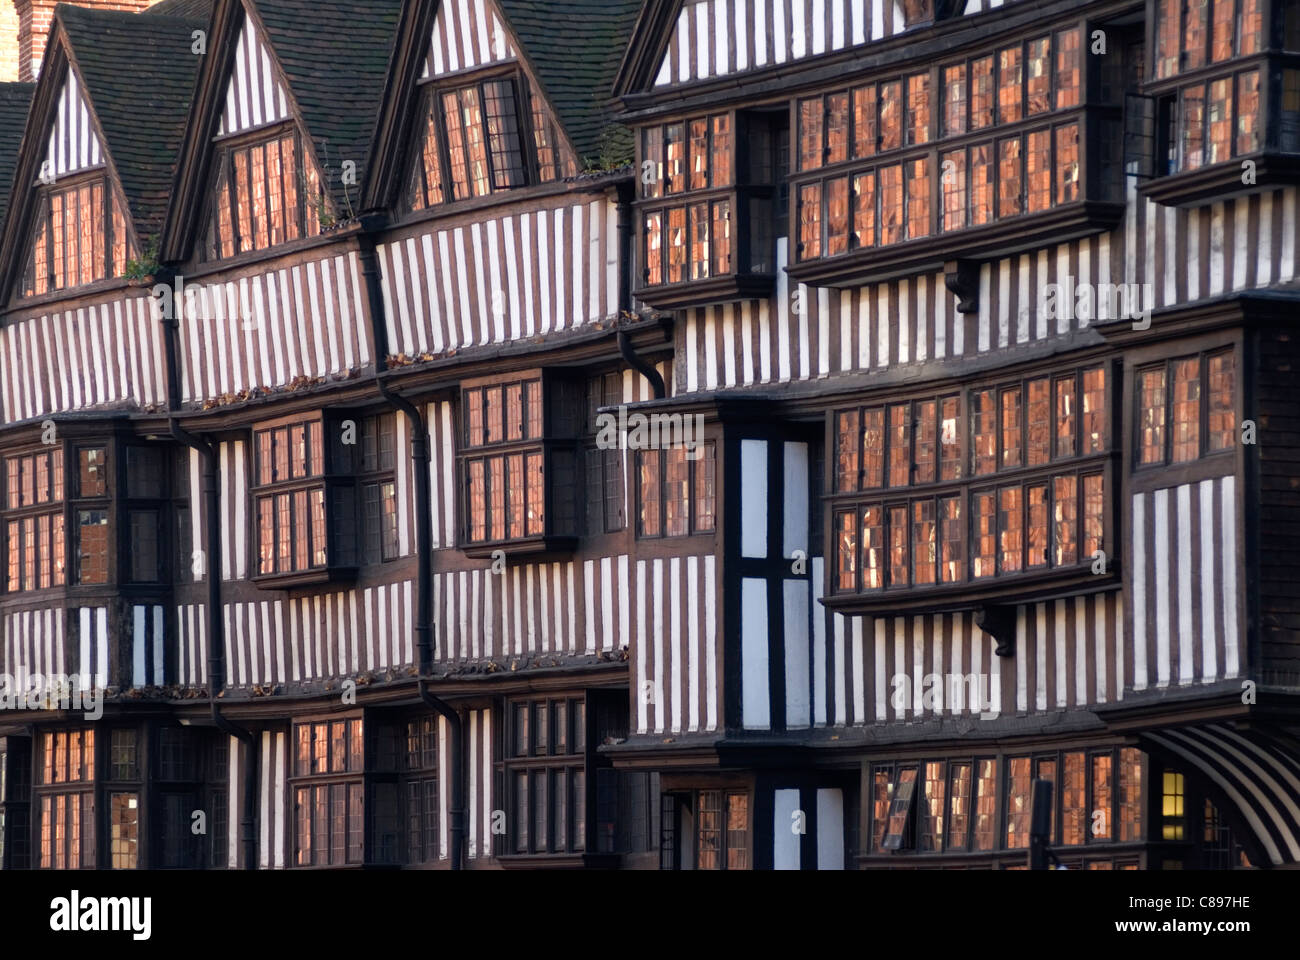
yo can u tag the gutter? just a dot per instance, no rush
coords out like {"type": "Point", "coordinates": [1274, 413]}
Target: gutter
{"type": "Point", "coordinates": [212, 550]}
{"type": "Point", "coordinates": [423, 548]}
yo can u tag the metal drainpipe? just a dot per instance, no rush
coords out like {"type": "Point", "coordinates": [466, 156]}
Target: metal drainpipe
{"type": "Point", "coordinates": [424, 554]}
{"type": "Point", "coordinates": [625, 236]}
{"type": "Point", "coordinates": [216, 641]}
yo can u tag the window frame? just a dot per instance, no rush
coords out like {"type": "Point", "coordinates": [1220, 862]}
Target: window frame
{"type": "Point", "coordinates": [708, 453]}
{"type": "Point", "coordinates": [430, 113]}
{"type": "Point", "coordinates": [351, 777]}
{"type": "Point", "coordinates": [223, 185]}
{"type": "Point", "coordinates": [532, 758]}
{"type": "Point", "coordinates": [1077, 464]}
{"type": "Point", "coordinates": [114, 218]}
{"type": "Point", "coordinates": [1205, 455]}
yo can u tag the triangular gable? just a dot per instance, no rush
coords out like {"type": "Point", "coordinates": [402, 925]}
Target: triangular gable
{"type": "Point", "coordinates": [255, 95]}
{"type": "Point", "coordinates": [467, 34]}
{"type": "Point", "coordinates": [73, 144]}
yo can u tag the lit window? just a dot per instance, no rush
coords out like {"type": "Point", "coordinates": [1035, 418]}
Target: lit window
{"type": "Point", "coordinates": [79, 236]}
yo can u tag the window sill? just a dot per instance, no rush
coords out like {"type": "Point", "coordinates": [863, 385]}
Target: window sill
{"type": "Point", "coordinates": [1222, 181]}
{"type": "Point", "coordinates": [303, 578]}
{"type": "Point", "coordinates": [533, 548]}
{"type": "Point", "coordinates": [698, 293]}
{"type": "Point", "coordinates": [997, 239]}
{"type": "Point", "coordinates": [1012, 590]}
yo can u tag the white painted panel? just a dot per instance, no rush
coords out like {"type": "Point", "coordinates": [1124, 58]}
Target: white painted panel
{"type": "Point", "coordinates": [785, 841]}
{"type": "Point", "coordinates": [795, 504]}
{"type": "Point", "coordinates": [755, 696]}
{"type": "Point", "coordinates": [830, 829]}
{"type": "Point", "coordinates": [797, 694]}
{"type": "Point", "coordinates": [753, 498]}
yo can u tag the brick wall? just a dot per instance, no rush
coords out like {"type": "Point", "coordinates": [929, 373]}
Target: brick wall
{"type": "Point", "coordinates": [8, 41]}
{"type": "Point", "coordinates": [34, 17]}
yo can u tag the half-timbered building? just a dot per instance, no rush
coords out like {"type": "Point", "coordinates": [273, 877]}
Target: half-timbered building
{"type": "Point", "coordinates": [691, 434]}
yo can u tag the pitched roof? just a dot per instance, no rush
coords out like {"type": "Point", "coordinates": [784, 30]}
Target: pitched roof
{"type": "Point", "coordinates": [574, 48]}
{"type": "Point", "coordinates": [335, 55]}
{"type": "Point", "coordinates": [142, 109]}
{"type": "Point", "coordinates": [197, 9]}
{"type": "Point", "coordinates": [15, 101]}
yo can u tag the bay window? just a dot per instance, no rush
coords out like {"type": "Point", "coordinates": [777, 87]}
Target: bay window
{"type": "Point", "coordinates": [65, 799]}
{"type": "Point", "coordinates": [1223, 82]}
{"type": "Point", "coordinates": [324, 496]}
{"type": "Point", "coordinates": [969, 487]}
{"type": "Point", "coordinates": [328, 790]}
{"type": "Point", "coordinates": [518, 461]}
{"type": "Point", "coordinates": [79, 236]}
{"type": "Point", "coordinates": [266, 192]}
{"type": "Point", "coordinates": [951, 806]}
{"type": "Point", "coordinates": [1186, 409]}
{"type": "Point", "coordinates": [701, 220]}
{"type": "Point", "coordinates": [939, 152]}
{"type": "Point", "coordinates": [34, 521]}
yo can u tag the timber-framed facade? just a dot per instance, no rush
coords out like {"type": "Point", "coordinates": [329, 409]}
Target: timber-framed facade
{"type": "Point", "coordinates": [969, 323]}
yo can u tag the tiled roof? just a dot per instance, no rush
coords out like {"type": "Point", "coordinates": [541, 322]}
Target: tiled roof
{"type": "Point", "coordinates": [15, 100]}
{"type": "Point", "coordinates": [575, 48]}
{"type": "Point", "coordinates": [195, 9]}
{"type": "Point", "coordinates": [139, 74]}
{"type": "Point", "coordinates": [335, 56]}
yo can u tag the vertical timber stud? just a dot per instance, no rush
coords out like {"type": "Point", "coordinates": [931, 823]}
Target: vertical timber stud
{"type": "Point", "coordinates": [423, 627]}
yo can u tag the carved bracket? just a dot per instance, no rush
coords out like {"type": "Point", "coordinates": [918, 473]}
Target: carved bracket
{"type": "Point", "coordinates": [962, 278]}
{"type": "Point", "coordinates": [999, 622]}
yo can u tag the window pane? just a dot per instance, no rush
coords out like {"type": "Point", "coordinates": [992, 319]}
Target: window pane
{"type": "Point", "coordinates": [954, 100]}
{"type": "Point", "coordinates": [1192, 125]}
{"type": "Point", "coordinates": [1009, 85]}
{"type": "Point", "coordinates": [931, 834]}
{"type": "Point", "coordinates": [1065, 508]}
{"type": "Point", "coordinates": [873, 448]}
{"type": "Point", "coordinates": [981, 110]}
{"type": "Point", "coordinates": [923, 543]}
{"type": "Point", "coordinates": [900, 451]}
{"type": "Point", "coordinates": [1009, 172]}
{"type": "Point", "coordinates": [650, 493]}
{"type": "Point", "coordinates": [837, 216]}
{"type": "Point", "coordinates": [918, 109]}
{"type": "Point", "coordinates": [953, 557]}
{"type": "Point", "coordinates": [677, 243]}
{"type": "Point", "coordinates": [675, 138]}
{"type": "Point", "coordinates": [950, 460]}
{"type": "Point", "coordinates": [1039, 75]}
{"type": "Point", "coordinates": [92, 546]}
{"type": "Point", "coordinates": [1012, 428]}
{"type": "Point", "coordinates": [846, 447]}
{"type": "Point", "coordinates": [984, 433]}
{"type": "Point", "coordinates": [1067, 163]}
{"type": "Point", "coordinates": [1068, 69]}
{"type": "Point", "coordinates": [926, 437]}
{"type": "Point", "coordinates": [676, 493]}
{"type": "Point", "coordinates": [705, 473]}
{"type": "Point", "coordinates": [810, 228]}
{"type": "Point", "coordinates": [1102, 792]}
{"type": "Point", "coordinates": [1151, 425]}
{"type": "Point", "coordinates": [1219, 114]}
{"type": "Point", "coordinates": [1094, 411]}
{"type": "Point", "coordinates": [1018, 802]}
{"type": "Point", "coordinates": [985, 520]}
{"type": "Point", "coordinates": [864, 210]}
{"type": "Point", "coordinates": [721, 151]}
{"type": "Point", "coordinates": [959, 797]}
{"type": "Point", "coordinates": [873, 548]}
{"type": "Point", "coordinates": [1065, 414]}
{"type": "Point", "coordinates": [891, 115]}
{"type": "Point", "coordinates": [1074, 800]}
{"type": "Point", "coordinates": [1195, 14]}
{"type": "Point", "coordinates": [737, 831]}
{"type": "Point", "coordinates": [1222, 386]}
{"type": "Point", "coordinates": [981, 184]}
{"type": "Point", "coordinates": [709, 830]}
{"type": "Point", "coordinates": [953, 177]}
{"type": "Point", "coordinates": [1039, 160]}
{"type": "Point", "coordinates": [1011, 539]}
{"type": "Point", "coordinates": [699, 156]}
{"type": "Point", "coordinates": [721, 237]}
{"type": "Point", "coordinates": [1037, 526]}
{"type": "Point", "coordinates": [1093, 505]}
{"type": "Point", "coordinates": [1130, 794]}
{"type": "Point", "coordinates": [700, 259]}
{"type": "Point", "coordinates": [1187, 410]}
{"type": "Point", "coordinates": [846, 551]}
{"type": "Point", "coordinates": [503, 134]}
{"type": "Point", "coordinates": [1247, 112]}
{"type": "Point", "coordinates": [653, 233]}
{"type": "Point", "coordinates": [891, 204]}
{"type": "Point", "coordinates": [918, 199]}
{"type": "Point", "coordinates": [898, 546]}
{"type": "Point", "coordinates": [864, 121]}
{"type": "Point", "coordinates": [811, 114]}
